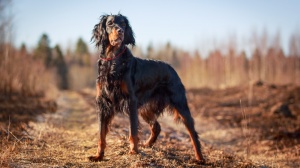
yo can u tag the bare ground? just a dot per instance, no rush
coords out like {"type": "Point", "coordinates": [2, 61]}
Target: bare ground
{"type": "Point", "coordinates": [238, 127]}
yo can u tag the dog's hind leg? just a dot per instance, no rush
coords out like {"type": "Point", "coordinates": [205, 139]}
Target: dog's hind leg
{"type": "Point", "coordinates": [182, 112]}
{"type": "Point", "coordinates": [155, 130]}
{"type": "Point", "coordinates": [185, 115]}
{"type": "Point", "coordinates": [188, 121]}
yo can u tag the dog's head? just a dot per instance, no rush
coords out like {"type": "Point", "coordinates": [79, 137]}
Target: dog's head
{"type": "Point", "coordinates": [113, 30]}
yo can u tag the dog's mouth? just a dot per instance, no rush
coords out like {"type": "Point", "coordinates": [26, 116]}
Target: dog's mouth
{"type": "Point", "coordinates": [116, 38]}
{"type": "Point", "coordinates": [116, 41]}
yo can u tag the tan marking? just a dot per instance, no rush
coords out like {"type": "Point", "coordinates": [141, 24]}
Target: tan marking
{"type": "Point", "coordinates": [198, 153]}
{"type": "Point", "coordinates": [101, 146]}
{"type": "Point", "coordinates": [99, 89]}
{"type": "Point", "coordinates": [113, 35]}
{"type": "Point", "coordinates": [124, 87]}
{"type": "Point", "coordinates": [108, 51]}
{"type": "Point", "coordinates": [115, 40]}
{"type": "Point", "coordinates": [133, 144]}
{"type": "Point", "coordinates": [148, 115]}
{"type": "Point", "coordinates": [177, 116]}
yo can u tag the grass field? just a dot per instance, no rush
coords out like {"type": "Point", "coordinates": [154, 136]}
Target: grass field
{"type": "Point", "coordinates": [235, 131]}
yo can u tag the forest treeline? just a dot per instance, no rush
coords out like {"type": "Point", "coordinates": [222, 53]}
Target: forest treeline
{"type": "Point", "coordinates": [227, 67]}
{"type": "Point", "coordinates": [66, 69]}
{"type": "Point", "coordinates": [221, 68]}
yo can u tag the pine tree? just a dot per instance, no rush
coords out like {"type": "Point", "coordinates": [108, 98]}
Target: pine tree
{"type": "Point", "coordinates": [61, 66]}
{"type": "Point", "coordinates": [43, 50]}
{"type": "Point", "coordinates": [82, 53]}
{"type": "Point", "coordinates": [23, 50]}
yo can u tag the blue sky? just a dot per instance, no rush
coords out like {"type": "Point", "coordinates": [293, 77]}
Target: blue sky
{"type": "Point", "coordinates": [190, 25]}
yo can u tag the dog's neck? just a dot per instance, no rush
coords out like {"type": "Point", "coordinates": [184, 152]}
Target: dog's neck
{"type": "Point", "coordinates": [112, 51]}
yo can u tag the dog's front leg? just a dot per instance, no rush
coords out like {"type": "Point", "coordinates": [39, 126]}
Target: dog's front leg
{"type": "Point", "coordinates": [104, 117]}
{"type": "Point", "coordinates": [134, 123]}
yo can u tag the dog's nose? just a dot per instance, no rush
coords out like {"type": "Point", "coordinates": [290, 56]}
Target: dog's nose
{"type": "Point", "coordinates": [120, 30]}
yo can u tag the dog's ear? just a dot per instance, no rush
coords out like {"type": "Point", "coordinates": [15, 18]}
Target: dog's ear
{"type": "Point", "coordinates": [99, 35]}
{"type": "Point", "coordinates": [129, 35]}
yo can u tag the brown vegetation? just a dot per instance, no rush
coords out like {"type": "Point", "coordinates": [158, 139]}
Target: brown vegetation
{"type": "Point", "coordinates": [227, 67]}
{"type": "Point", "coordinates": [263, 128]}
{"type": "Point", "coordinates": [68, 137]}
{"type": "Point", "coordinates": [233, 133]}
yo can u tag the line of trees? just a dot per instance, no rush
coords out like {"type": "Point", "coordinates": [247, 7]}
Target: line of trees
{"type": "Point", "coordinates": [52, 58]}
{"type": "Point", "coordinates": [226, 67]}
{"type": "Point", "coordinates": [69, 68]}
{"type": "Point", "coordinates": [221, 68]}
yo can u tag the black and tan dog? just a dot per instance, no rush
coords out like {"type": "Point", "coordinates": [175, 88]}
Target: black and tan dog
{"type": "Point", "coordinates": [131, 85]}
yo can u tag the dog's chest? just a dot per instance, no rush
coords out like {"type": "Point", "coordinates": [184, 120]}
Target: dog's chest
{"type": "Point", "coordinates": [111, 72]}
{"type": "Point", "coordinates": [111, 76]}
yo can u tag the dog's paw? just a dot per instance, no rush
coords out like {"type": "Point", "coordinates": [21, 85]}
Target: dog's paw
{"type": "Point", "coordinates": [95, 158]}
{"type": "Point", "coordinates": [147, 145]}
{"type": "Point", "coordinates": [200, 161]}
{"type": "Point", "coordinates": [133, 152]}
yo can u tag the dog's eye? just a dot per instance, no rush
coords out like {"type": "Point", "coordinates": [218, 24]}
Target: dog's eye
{"type": "Point", "coordinates": [123, 24]}
{"type": "Point", "coordinates": [109, 23]}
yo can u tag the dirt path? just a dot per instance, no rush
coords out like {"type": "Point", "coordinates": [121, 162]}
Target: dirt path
{"type": "Point", "coordinates": [67, 137]}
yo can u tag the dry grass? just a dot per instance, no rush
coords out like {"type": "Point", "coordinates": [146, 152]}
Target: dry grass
{"type": "Point", "coordinates": [20, 74]}
{"type": "Point", "coordinates": [68, 137]}
{"type": "Point", "coordinates": [81, 77]}
{"type": "Point", "coordinates": [266, 132]}
{"type": "Point", "coordinates": [26, 91]}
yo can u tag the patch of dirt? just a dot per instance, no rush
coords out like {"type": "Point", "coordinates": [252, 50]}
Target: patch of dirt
{"type": "Point", "coordinates": [16, 110]}
{"type": "Point", "coordinates": [259, 122]}
{"type": "Point", "coordinates": [255, 126]}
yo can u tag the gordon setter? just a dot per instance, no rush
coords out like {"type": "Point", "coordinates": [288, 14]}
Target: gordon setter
{"type": "Point", "coordinates": [130, 85]}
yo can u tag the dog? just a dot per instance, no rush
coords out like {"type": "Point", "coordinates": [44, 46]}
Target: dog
{"type": "Point", "coordinates": [127, 84]}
